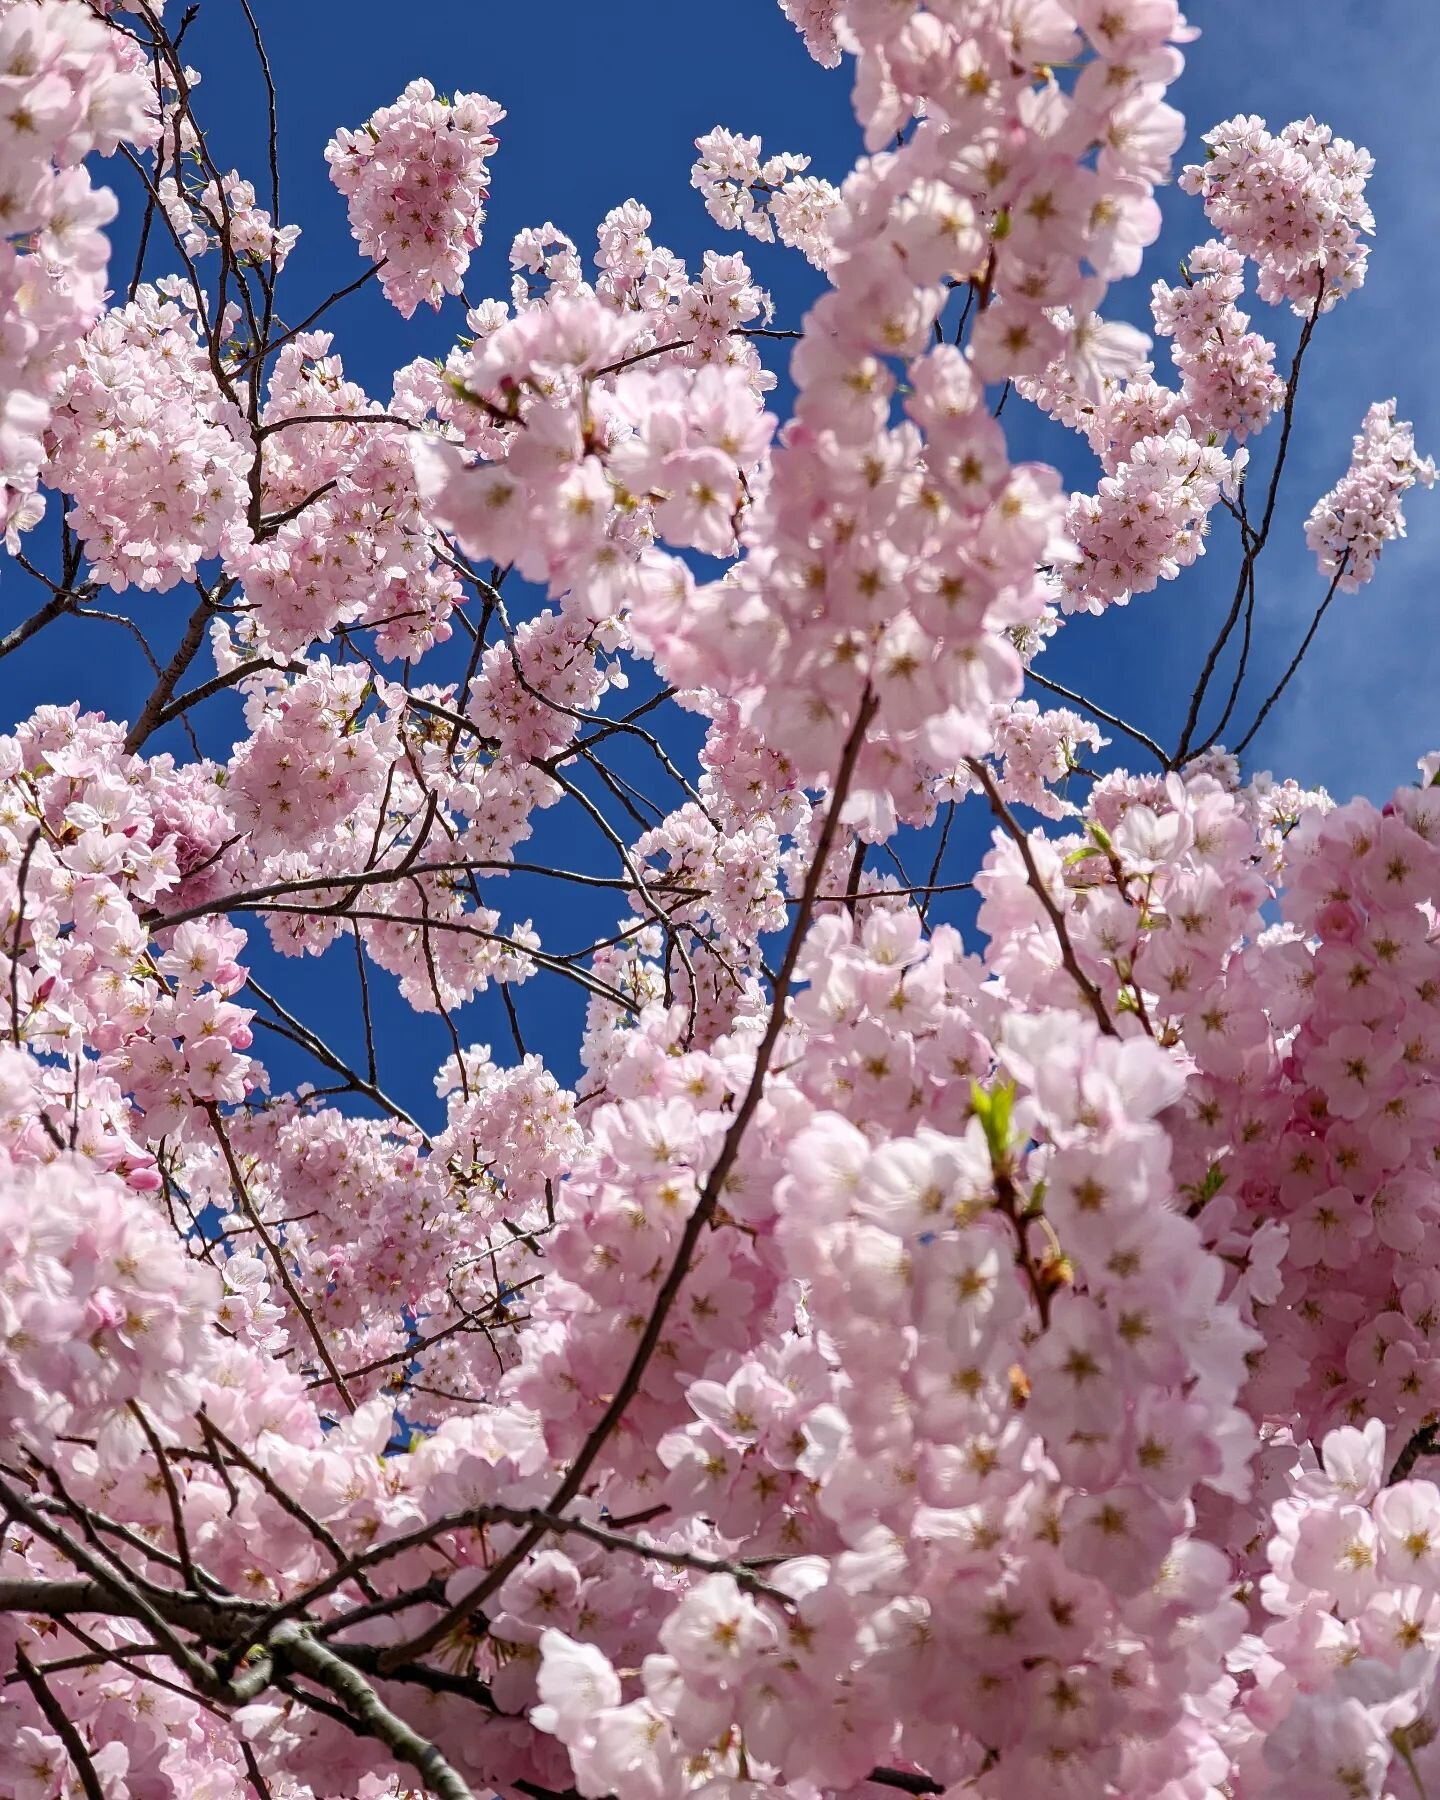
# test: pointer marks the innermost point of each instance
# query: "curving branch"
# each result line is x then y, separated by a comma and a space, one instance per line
54, 1715
1253, 538
699, 1219
282, 1268
1087, 987
294, 1643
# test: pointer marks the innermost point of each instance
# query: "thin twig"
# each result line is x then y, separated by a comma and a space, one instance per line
1057, 918
1099, 712
172, 1495
1254, 538
282, 1268
699, 1219
1298, 657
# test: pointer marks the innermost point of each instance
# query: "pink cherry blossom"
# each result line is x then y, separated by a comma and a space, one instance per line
894, 1250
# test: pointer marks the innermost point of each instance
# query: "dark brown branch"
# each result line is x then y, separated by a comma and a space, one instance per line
217, 684
1253, 539
294, 1643
64, 600
699, 1219
301, 1034
172, 1495
56, 1719
1424, 1442
1099, 712
253, 899
282, 1267
113, 1591
1298, 657
263, 351
1242, 664
1057, 918
185, 653
558, 965
905, 1781
322, 1534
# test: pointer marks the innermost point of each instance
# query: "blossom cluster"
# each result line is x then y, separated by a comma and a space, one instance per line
1337, 1692
1228, 379
69, 86
101, 1306
766, 199
1295, 202
894, 555
416, 178
151, 447
1148, 520
225, 211
986, 1349
1349, 526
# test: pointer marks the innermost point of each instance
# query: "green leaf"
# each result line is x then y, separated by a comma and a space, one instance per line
1200, 1193
994, 1109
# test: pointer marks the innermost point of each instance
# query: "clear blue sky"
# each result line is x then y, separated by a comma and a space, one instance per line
604, 103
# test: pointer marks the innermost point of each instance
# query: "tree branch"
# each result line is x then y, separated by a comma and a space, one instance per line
291, 1641
695, 1225
1057, 918
55, 1718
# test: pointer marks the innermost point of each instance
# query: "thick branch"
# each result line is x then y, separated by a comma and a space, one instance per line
294, 1643
62, 1727
704, 1211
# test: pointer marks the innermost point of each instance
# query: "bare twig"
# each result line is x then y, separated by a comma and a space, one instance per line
282, 1267
1099, 712
172, 1495
61, 1725
1057, 918
704, 1211
1298, 657
1254, 539
185, 653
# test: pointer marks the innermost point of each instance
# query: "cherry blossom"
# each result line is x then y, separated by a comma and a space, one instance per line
840, 1236
1362, 512
415, 176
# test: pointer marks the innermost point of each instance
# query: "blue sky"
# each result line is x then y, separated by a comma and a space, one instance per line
605, 102
1367, 702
